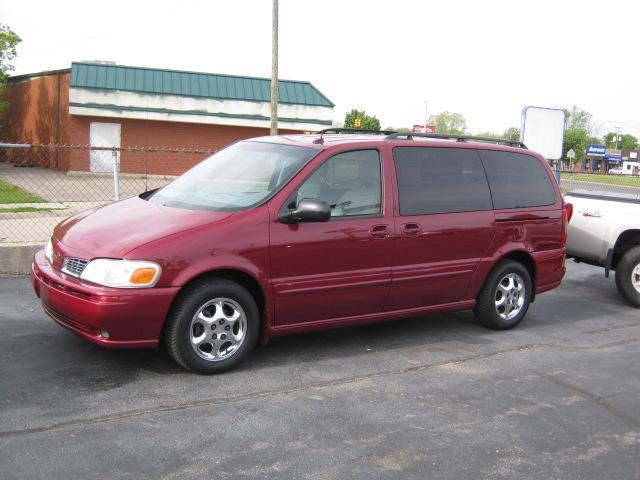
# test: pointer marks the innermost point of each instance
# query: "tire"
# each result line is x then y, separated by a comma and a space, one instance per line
628, 272
505, 296
212, 326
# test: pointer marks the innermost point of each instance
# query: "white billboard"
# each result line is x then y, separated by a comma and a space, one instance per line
543, 131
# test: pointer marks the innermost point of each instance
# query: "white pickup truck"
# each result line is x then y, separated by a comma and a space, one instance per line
604, 230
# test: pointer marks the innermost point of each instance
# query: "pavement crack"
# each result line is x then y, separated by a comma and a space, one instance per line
261, 394
602, 346
601, 401
612, 327
618, 343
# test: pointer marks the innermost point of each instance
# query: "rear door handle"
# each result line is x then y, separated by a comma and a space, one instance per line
379, 231
411, 229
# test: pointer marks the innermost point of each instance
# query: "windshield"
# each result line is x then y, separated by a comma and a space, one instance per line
238, 177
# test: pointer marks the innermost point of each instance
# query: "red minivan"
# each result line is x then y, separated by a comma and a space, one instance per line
287, 234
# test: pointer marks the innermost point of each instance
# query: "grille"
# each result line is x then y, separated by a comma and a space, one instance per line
74, 266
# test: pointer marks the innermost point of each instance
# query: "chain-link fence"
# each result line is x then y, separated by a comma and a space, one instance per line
40, 185
624, 185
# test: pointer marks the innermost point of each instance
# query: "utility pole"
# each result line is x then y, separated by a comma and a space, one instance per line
426, 117
274, 68
617, 129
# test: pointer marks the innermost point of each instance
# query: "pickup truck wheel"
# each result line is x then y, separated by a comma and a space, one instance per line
212, 326
628, 276
505, 296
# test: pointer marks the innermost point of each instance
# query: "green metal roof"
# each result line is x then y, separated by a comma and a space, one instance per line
193, 84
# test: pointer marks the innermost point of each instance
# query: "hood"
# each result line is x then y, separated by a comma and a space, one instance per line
114, 230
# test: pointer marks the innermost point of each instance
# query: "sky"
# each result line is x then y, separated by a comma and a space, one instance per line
485, 59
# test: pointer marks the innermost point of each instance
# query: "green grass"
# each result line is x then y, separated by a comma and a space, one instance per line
624, 180
9, 193
27, 209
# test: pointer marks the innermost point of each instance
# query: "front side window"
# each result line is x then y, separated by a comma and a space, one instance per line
517, 180
236, 178
349, 182
440, 180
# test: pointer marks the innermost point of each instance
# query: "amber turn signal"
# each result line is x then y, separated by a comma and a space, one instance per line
142, 276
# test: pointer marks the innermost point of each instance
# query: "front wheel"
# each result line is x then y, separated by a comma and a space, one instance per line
504, 299
628, 276
212, 326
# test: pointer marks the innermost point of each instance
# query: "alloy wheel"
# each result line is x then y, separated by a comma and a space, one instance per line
218, 329
510, 296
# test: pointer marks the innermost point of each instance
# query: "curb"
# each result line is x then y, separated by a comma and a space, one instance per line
16, 259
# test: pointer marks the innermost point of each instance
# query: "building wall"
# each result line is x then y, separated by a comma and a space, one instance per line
160, 135
185, 109
37, 113
37, 109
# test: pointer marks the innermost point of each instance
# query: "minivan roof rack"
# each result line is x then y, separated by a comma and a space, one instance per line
458, 138
353, 130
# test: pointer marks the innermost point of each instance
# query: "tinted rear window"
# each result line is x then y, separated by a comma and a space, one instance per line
517, 180
440, 180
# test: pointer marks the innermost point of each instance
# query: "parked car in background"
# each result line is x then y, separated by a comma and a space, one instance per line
630, 168
605, 231
616, 171
295, 233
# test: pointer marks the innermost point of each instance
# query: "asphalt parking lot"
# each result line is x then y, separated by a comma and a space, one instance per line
429, 397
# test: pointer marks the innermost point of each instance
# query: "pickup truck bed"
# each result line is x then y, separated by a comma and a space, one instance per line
605, 231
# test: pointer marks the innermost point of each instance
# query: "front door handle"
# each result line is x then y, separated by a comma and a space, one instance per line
379, 231
411, 229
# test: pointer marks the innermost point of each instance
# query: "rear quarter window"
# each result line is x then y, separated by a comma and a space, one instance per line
517, 180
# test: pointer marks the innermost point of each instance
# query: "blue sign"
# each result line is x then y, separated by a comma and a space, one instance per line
613, 158
596, 150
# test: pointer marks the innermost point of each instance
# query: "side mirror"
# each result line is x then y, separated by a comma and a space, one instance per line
308, 210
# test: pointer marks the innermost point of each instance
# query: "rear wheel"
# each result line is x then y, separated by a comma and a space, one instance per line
212, 326
628, 276
504, 299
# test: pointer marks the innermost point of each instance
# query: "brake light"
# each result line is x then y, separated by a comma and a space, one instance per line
569, 209
567, 213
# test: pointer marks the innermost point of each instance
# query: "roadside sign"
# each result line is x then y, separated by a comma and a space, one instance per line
543, 131
424, 129
596, 150
612, 155
571, 154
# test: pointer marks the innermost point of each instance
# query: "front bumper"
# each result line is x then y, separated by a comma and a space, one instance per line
133, 318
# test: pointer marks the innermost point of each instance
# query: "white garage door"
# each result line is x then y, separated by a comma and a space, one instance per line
104, 135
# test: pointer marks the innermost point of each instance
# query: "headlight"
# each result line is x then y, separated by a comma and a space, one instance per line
121, 273
48, 251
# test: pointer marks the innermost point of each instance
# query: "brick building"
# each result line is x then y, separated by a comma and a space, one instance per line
107, 105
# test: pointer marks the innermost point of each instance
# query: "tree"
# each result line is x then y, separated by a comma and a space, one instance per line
449, 122
577, 118
8, 42
579, 131
359, 119
575, 139
512, 133
401, 129
625, 141
487, 135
